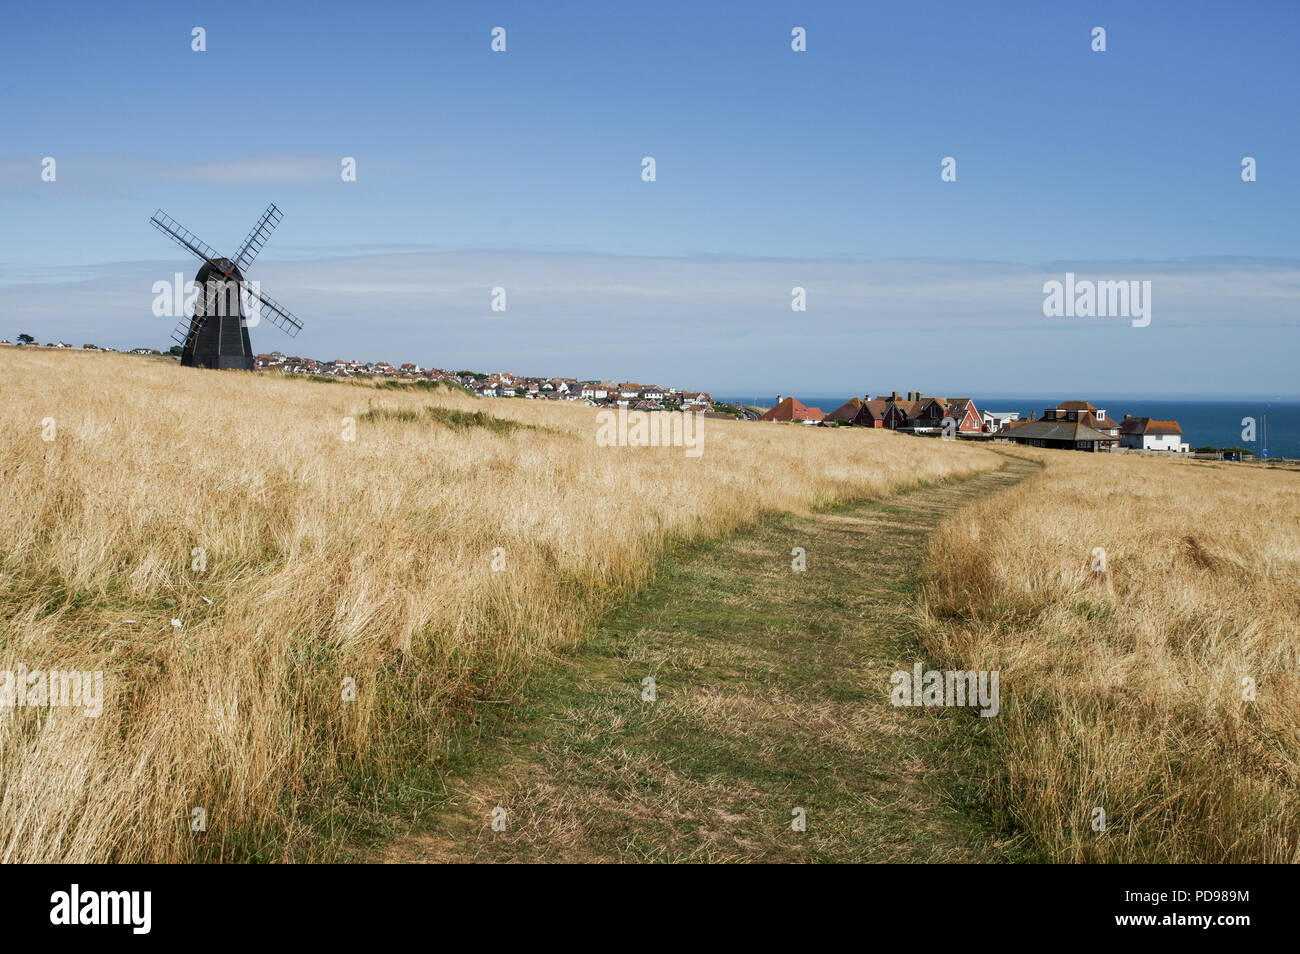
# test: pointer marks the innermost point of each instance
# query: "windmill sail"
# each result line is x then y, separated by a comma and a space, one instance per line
257, 237
270, 309
183, 236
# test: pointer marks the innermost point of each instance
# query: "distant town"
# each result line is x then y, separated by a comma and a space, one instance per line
629, 394
1073, 425
1070, 425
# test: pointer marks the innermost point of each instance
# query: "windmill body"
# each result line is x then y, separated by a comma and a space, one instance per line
216, 336
220, 339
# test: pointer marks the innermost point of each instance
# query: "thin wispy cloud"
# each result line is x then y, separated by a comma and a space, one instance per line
726, 323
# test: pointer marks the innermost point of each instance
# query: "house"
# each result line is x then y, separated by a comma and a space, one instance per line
1144, 433
1063, 434
901, 414
1100, 422
871, 413
845, 412
934, 411
788, 409
1085, 413
995, 420
967, 416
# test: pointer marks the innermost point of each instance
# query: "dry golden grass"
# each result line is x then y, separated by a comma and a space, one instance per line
1125, 691
325, 560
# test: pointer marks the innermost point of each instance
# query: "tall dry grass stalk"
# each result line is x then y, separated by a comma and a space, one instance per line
1124, 691
325, 560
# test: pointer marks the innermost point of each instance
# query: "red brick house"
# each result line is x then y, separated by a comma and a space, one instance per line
871, 413
902, 413
961, 410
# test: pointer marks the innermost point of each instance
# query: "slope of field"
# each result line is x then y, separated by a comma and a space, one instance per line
288, 620
1163, 691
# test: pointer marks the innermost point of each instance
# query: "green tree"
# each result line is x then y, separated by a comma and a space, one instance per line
26, 338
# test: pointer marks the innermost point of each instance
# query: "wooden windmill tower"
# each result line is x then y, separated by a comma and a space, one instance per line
217, 335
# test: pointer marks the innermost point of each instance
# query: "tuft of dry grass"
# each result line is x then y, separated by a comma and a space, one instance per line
323, 560
1124, 690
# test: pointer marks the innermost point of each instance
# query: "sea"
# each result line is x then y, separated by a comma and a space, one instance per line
1204, 423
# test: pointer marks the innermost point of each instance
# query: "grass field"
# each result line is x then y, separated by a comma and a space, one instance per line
1163, 691
348, 621
300, 566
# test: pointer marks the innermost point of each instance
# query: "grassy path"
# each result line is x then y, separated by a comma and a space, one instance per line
772, 694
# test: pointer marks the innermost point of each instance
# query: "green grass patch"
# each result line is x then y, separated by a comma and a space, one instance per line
424, 384
453, 417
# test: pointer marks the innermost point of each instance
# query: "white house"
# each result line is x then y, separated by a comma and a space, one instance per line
993, 420
1144, 433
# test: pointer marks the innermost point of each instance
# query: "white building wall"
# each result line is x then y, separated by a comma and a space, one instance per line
1163, 442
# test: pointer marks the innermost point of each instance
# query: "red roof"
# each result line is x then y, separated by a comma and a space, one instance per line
870, 411
846, 411
792, 410
1100, 423
1146, 425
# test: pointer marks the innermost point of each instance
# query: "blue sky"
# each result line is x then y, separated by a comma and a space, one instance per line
774, 169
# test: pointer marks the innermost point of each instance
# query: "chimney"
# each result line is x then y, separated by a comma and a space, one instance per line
909, 397
778, 399
894, 396
919, 395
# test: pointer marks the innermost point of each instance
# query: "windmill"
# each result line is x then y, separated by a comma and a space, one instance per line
217, 335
